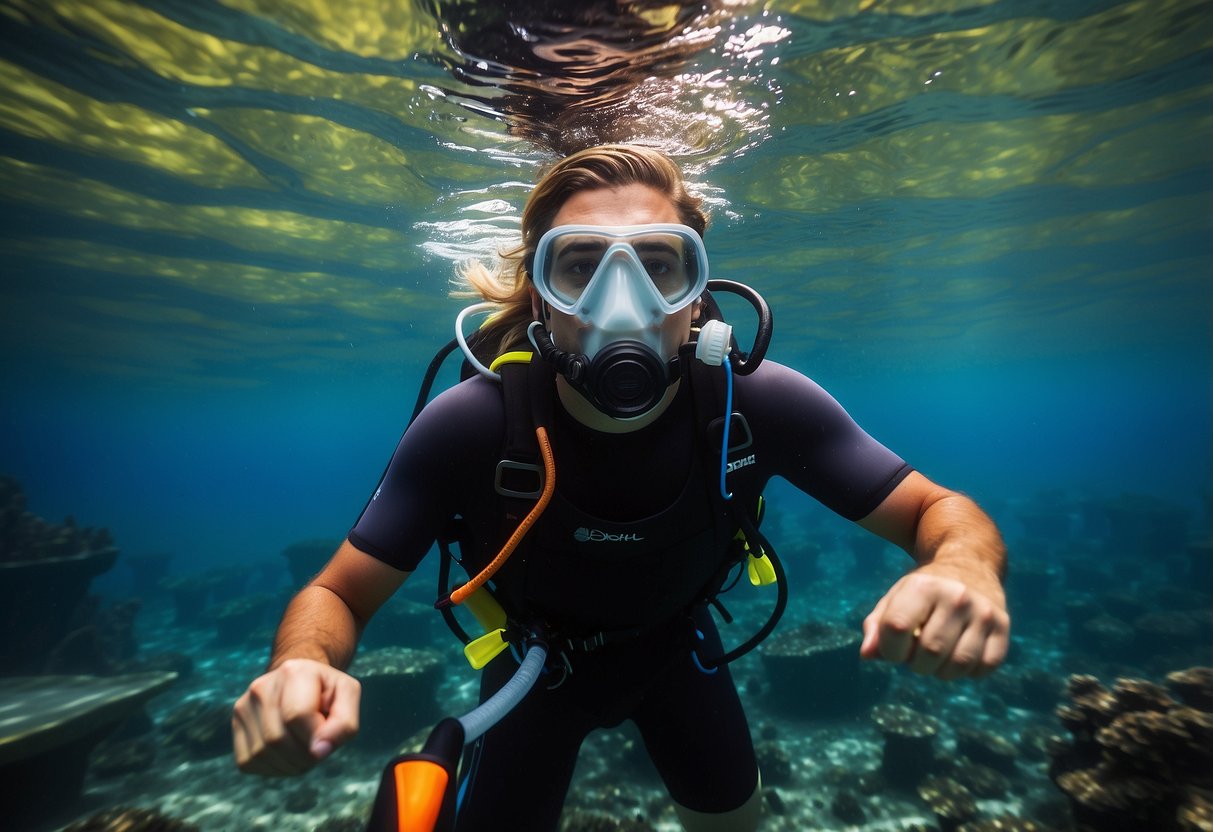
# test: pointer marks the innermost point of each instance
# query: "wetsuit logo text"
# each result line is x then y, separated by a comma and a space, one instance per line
584, 535
740, 463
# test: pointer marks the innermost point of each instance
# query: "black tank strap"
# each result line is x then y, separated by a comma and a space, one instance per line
519, 472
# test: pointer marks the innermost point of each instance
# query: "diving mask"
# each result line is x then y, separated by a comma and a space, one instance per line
591, 271
621, 283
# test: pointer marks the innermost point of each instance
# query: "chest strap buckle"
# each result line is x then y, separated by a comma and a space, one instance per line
520, 480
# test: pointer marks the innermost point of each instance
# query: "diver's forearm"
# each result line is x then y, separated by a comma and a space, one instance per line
954, 535
317, 625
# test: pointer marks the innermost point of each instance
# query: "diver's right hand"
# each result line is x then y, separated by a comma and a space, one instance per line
293, 717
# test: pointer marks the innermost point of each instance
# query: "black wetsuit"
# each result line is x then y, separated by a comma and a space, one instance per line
607, 484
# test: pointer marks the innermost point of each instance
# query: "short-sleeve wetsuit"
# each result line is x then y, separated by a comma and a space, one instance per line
516, 776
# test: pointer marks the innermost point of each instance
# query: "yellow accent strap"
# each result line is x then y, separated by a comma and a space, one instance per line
515, 357
488, 612
760, 570
483, 650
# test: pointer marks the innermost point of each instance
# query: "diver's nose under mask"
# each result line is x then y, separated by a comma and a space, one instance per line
621, 282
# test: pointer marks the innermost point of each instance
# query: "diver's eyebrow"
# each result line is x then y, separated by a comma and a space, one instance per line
577, 246
655, 245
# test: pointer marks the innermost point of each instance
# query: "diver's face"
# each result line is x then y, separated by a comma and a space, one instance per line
626, 205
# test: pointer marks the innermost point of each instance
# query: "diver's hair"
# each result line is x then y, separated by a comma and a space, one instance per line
606, 166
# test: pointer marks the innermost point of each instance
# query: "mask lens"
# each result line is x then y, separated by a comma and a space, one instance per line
571, 263
670, 260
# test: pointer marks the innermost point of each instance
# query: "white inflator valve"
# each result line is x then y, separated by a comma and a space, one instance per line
713, 343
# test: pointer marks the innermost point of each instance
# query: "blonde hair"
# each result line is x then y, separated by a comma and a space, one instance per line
606, 166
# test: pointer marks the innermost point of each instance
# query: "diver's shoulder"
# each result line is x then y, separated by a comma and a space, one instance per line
773, 374
474, 403
777, 386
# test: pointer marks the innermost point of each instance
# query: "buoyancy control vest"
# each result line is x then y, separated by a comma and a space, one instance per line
587, 581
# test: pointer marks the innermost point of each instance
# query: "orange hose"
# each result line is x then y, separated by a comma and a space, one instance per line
549, 488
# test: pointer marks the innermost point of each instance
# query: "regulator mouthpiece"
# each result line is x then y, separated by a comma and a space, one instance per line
623, 380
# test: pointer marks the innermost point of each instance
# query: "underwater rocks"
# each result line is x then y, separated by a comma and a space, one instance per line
115, 759
203, 730
987, 749
190, 595
50, 726
909, 744
847, 808
1157, 629
774, 763
38, 601
306, 558
1029, 688
403, 620
814, 672
194, 594
26, 537
1009, 824
1138, 758
582, 821
951, 802
1030, 587
399, 687
131, 820
246, 619
1140, 523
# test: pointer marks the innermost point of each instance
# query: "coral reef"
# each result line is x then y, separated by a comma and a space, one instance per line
403, 621
814, 672
26, 537
45, 573
1030, 688
581, 821
1141, 523
951, 802
114, 759
987, 749
909, 739
190, 594
1030, 586
982, 781
1194, 687
847, 808
50, 726
1138, 758
774, 763
399, 686
1004, 824
202, 729
244, 619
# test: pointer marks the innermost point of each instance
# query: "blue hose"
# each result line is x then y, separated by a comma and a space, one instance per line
490, 712
728, 420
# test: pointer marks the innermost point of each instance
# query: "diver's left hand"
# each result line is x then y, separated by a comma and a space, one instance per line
940, 622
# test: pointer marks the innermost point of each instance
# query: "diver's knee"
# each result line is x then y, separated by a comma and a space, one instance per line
744, 818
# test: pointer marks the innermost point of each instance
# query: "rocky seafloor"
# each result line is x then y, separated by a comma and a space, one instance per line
1102, 687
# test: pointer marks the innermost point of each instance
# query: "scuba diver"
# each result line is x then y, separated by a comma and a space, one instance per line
596, 488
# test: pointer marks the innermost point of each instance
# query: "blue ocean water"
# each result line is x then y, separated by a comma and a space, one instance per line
230, 231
